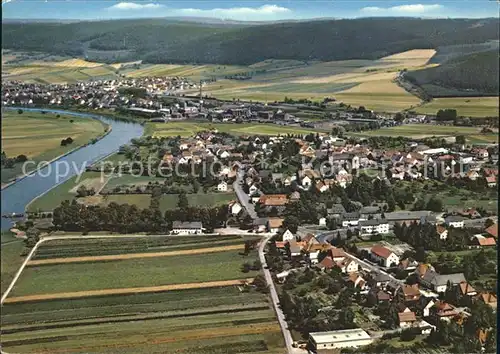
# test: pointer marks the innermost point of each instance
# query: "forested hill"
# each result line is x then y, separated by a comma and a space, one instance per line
468, 75
162, 41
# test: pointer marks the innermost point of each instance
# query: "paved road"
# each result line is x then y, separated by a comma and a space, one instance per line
242, 196
274, 297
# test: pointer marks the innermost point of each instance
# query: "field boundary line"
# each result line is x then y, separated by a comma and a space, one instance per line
133, 255
124, 291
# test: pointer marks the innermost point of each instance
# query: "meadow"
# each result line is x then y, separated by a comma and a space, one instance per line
169, 201
214, 319
38, 136
420, 131
465, 106
186, 129
68, 189
11, 258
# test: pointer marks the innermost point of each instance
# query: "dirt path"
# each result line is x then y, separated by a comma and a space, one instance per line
116, 257
124, 291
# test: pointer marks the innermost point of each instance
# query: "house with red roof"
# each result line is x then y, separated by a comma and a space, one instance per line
492, 231
384, 256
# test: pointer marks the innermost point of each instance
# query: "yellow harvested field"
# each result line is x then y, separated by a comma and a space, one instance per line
76, 63
349, 77
116, 257
422, 54
147, 289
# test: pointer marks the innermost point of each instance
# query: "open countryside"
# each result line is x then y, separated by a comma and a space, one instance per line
282, 185
171, 304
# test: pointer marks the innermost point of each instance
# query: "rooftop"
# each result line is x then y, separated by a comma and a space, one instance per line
346, 335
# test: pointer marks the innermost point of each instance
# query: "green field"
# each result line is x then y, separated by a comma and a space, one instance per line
205, 320
169, 201
419, 131
11, 258
67, 191
38, 136
465, 106
128, 273
186, 129
54, 197
144, 244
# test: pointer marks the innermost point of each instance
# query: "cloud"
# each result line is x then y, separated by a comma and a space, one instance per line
5, 1
236, 12
411, 9
134, 6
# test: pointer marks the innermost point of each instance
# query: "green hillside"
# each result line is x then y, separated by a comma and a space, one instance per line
167, 41
468, 75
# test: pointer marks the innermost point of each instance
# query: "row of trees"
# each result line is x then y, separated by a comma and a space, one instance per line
124, 218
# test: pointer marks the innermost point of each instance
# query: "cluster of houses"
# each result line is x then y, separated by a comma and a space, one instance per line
420, 305
97, 94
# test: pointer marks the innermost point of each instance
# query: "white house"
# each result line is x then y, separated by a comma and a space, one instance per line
427, 308
288, 236
222, 187
306, 182
455, 221
347, 338
384, 255
442, 232
235, 208
322, 222
187, 228
253, 188
373, 226
348, 265
407, 319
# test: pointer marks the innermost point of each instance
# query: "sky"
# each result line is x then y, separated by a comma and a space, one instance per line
249, 10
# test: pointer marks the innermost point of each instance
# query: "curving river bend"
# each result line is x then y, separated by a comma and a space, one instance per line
17, 196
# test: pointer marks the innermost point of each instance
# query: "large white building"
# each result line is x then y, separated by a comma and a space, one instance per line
187, 228
348, 338
373, 226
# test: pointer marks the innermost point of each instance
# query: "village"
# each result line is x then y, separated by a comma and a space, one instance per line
322, 224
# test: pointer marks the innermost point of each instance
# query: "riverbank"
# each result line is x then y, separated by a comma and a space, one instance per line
17, 195
39, 167
23, 176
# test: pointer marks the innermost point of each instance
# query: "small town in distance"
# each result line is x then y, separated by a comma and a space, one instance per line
196, 185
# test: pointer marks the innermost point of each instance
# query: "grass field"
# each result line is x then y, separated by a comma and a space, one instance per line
218, 319
38, 136
67, 191
11, 259
465, 106
419, 131
169, 201
186, 129
54, 197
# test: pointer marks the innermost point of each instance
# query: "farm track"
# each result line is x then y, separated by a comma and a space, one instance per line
123, 291
132, 255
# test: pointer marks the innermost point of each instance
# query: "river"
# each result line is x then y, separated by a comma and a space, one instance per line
16, 197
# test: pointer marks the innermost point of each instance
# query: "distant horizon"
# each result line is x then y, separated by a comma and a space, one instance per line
244, 10
194, 18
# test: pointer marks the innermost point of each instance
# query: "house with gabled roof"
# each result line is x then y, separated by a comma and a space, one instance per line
492, 231
384, 256
407, 319
489, 299
465, 289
